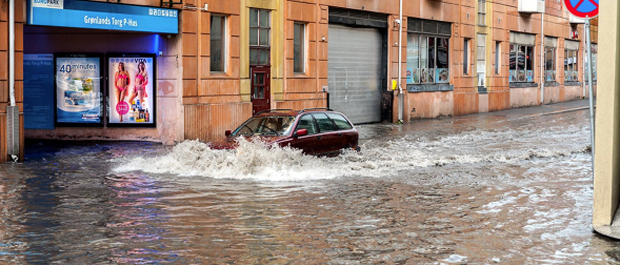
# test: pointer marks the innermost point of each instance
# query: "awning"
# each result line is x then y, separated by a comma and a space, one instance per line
100, 15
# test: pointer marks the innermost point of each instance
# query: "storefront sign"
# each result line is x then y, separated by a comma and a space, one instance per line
38, 91
99, 15
131, 90
48, 3
78, 90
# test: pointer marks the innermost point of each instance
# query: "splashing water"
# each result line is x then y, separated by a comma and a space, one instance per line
256, 160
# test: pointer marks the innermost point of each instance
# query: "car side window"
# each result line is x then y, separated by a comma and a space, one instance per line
325, 124
307, 122
340, 121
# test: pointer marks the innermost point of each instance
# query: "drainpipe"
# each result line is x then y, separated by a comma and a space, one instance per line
12, 117
401, 99
12, 52
542, 59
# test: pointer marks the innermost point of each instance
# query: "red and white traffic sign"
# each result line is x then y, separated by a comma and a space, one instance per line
582, 8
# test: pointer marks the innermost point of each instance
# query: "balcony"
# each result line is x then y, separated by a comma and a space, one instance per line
531, 6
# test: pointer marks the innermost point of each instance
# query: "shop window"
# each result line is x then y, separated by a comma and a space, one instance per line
466, 43
299, 39
427, 59
482, 12
498, 56
218, 43
428, 46
521, 63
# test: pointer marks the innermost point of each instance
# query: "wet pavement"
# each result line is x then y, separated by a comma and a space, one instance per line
509, 187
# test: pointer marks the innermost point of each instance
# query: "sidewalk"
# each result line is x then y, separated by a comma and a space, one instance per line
582, 104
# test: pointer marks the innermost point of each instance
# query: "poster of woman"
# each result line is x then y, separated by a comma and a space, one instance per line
131, 92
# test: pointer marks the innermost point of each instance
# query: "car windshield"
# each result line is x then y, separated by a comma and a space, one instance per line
266, 125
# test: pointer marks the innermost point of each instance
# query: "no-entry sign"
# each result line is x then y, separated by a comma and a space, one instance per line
582, 8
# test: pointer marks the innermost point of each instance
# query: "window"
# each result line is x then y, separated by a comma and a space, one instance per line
521, 57
466, 56
307, 122
480, 55
521, 63
340, 121
550, 56
428, 51
299, 48
571, 59
218, 43
550, 64
325, 124
498, 56
260, 42
482, 12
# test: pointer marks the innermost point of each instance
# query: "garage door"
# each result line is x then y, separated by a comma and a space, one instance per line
354, 76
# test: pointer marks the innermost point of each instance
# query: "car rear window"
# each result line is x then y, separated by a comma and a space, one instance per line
340, 121
307, 122
325, 124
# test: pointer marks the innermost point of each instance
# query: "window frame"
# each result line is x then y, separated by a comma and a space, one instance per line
299, 64
223, 43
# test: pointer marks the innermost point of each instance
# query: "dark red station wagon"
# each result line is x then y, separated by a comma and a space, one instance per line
316, 131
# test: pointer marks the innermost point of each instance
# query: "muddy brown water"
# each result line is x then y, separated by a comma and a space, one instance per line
469, 190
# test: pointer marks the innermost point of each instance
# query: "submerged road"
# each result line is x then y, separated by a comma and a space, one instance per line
511, 187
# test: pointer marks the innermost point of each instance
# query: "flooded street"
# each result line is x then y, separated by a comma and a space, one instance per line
483, 189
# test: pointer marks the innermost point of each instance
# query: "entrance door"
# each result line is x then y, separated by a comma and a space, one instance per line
261, 90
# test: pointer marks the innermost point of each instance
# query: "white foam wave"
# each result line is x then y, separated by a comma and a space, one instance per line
258, 161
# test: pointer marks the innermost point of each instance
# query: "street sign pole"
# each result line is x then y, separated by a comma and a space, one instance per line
589, 69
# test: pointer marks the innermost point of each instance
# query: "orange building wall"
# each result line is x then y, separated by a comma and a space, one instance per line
20, 6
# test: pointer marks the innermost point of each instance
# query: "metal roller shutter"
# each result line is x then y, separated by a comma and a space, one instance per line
354, 77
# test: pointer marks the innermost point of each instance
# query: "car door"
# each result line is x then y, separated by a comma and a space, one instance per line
329, 142
307, 143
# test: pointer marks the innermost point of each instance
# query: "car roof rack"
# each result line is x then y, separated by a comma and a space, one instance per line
272, 110
304, 110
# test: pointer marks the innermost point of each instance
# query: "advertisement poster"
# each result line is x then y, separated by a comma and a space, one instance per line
443, 75
78, 90
409, 75
39, 91
131, 90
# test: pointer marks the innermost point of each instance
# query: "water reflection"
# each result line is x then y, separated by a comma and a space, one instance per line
471, 190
